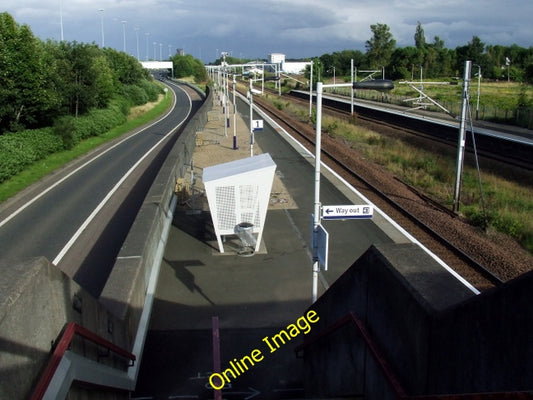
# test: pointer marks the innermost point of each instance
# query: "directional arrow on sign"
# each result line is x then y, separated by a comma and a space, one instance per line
348, 212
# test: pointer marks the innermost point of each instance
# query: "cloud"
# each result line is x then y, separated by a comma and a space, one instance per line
298, 28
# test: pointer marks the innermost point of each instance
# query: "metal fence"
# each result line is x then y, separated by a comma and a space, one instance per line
522, 117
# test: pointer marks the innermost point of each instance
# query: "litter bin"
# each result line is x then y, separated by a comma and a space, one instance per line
244, 231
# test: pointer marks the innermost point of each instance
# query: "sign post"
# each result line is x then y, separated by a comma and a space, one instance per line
316, 213
336, 212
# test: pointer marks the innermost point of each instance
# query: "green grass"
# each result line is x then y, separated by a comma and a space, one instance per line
493, 94
508, 205
498, 101
44, 167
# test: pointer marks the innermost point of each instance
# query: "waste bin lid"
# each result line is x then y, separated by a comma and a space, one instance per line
245, 226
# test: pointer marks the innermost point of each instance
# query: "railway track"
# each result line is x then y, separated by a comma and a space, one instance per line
404, 204
490, 148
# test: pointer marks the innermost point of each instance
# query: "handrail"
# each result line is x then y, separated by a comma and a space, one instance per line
385, 368
391, 378
70, 330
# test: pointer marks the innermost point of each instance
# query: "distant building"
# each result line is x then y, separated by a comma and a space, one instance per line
294, 67
287, 67
277, 58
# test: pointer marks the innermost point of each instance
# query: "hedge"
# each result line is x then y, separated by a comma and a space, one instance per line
20, 149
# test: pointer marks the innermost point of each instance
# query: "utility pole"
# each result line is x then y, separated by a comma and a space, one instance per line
234, 115
461, 141
251, 119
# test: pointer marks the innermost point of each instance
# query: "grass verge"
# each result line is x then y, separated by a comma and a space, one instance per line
507, 206
44, 167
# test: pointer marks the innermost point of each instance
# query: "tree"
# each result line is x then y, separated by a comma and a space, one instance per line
78, 66
126, 69
26, 94
380, 46
473, 51
341, 61
438, 43
43, 81
104, 82
404, 62
187, 65
420, 38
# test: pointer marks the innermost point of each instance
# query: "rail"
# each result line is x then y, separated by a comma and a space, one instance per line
392, 380
72, 329
487, 275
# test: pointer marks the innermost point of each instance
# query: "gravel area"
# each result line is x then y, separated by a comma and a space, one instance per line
498, 253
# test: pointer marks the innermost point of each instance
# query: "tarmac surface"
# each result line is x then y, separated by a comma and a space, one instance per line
252, 297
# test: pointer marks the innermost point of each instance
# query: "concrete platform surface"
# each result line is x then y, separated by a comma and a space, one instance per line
254, 296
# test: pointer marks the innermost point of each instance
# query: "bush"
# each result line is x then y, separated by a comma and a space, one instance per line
152, 90
141, 93
65, 128
20, 149
97, 122
135, 94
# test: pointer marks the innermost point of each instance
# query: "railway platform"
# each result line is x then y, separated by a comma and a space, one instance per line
250, 298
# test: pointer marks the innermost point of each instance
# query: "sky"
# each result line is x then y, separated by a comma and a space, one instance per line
153, 29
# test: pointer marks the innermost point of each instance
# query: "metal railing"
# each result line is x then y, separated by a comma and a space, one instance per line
390, 377
63, 344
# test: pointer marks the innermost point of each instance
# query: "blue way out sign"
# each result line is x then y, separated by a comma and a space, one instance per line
347, 212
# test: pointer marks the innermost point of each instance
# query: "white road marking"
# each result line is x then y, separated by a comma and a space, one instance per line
86, 223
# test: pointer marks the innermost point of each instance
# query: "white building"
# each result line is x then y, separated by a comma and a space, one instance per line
277, 58
294, 67
287, 67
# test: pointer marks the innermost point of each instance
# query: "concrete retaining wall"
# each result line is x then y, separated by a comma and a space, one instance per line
37, 299
125, 290
489, 342
34, 308
436, 335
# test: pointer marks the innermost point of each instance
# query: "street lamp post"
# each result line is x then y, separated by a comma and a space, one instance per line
102, 25
316, 203
234, 116
124, 35
225, 92
137, 39
61, 18
311, 89
508, 63
316, 208
351, 90
478, 90
251, 98
147, 34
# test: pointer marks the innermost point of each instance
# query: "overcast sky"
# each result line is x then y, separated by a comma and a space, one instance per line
255, 28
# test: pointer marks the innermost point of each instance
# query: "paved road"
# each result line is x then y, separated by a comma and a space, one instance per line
79, 216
